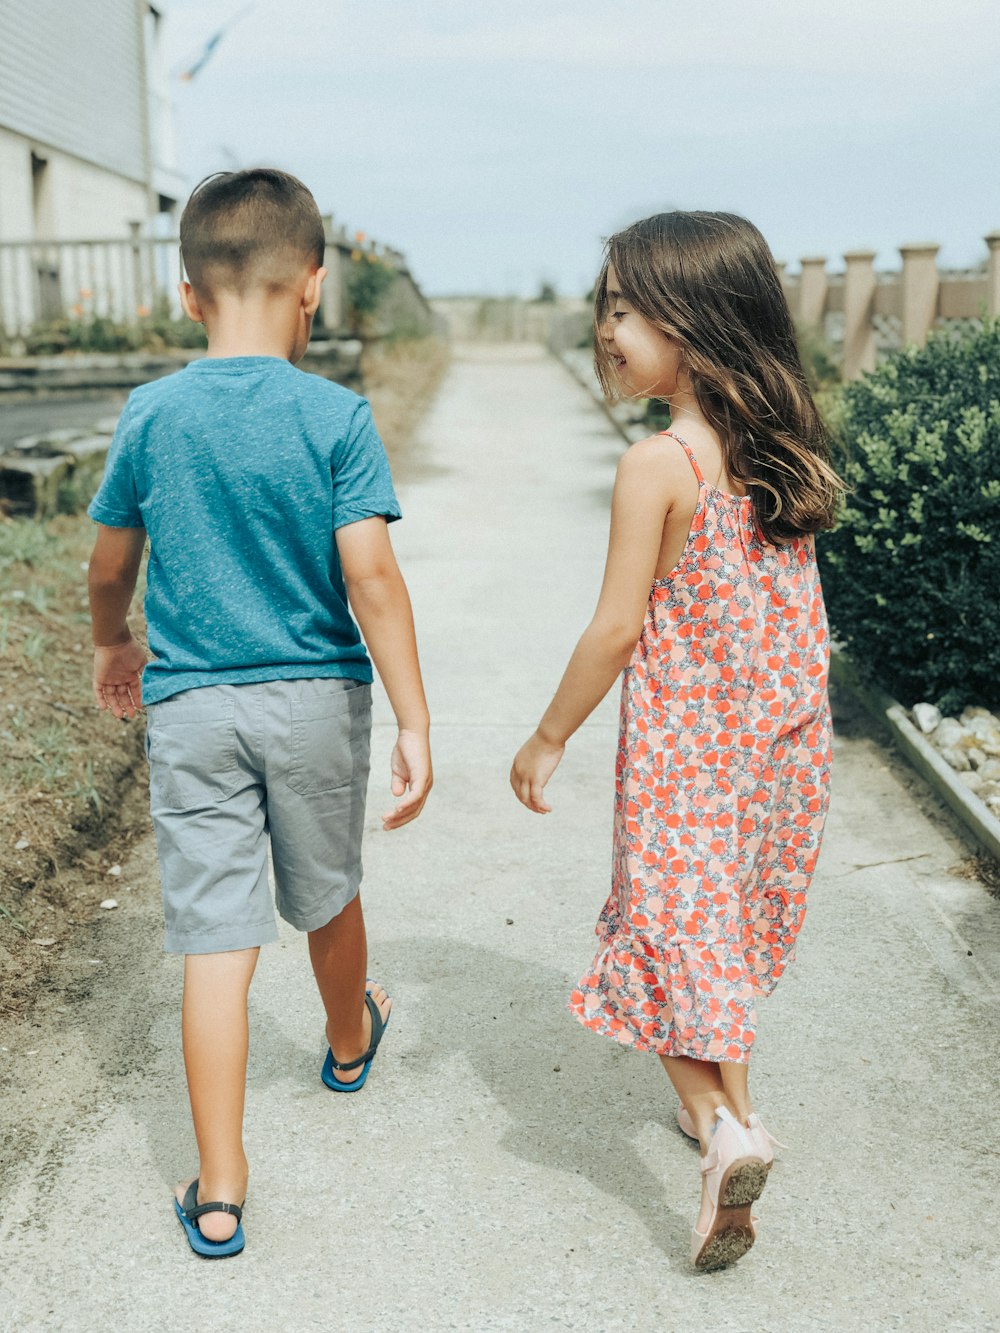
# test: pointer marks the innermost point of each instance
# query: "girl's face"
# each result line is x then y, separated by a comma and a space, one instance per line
647, 361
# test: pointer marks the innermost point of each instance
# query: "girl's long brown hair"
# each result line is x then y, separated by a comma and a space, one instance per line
709, 281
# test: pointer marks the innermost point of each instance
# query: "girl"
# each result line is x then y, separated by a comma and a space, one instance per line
711, 602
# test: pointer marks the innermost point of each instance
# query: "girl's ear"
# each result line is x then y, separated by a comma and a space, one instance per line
190, 303
313, 288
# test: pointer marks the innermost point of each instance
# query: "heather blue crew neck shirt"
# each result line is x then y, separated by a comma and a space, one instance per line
240, 469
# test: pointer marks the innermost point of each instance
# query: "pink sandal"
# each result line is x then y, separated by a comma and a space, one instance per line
763, 1141
735, 1176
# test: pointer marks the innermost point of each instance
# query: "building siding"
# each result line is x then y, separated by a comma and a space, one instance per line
71, 79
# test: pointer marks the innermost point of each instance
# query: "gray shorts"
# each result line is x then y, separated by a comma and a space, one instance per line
234, 767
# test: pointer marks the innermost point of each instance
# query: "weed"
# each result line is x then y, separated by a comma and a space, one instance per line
86, 789
35, 646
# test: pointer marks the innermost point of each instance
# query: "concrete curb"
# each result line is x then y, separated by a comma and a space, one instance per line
580, 366
983, 826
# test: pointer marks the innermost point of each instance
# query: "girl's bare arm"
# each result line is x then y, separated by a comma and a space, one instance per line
643, 495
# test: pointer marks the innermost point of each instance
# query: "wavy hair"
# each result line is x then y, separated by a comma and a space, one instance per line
709, 281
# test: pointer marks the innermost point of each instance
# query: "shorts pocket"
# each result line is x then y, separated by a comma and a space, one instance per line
330, 737
191, 744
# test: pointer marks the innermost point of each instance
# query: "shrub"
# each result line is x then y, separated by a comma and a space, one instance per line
912, 570
369, 282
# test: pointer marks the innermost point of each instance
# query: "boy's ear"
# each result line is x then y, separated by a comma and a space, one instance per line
190, 303
313, 288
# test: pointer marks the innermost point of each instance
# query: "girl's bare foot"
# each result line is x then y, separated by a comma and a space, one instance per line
345, 1054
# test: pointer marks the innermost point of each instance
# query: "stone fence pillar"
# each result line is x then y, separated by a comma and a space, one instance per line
332, 298
993, 274
920, 291
859, 306
812, 292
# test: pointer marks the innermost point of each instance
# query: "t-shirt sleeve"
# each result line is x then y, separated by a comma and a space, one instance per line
362, 483
116, 503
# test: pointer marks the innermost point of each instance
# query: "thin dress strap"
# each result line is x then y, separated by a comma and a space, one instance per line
691, 458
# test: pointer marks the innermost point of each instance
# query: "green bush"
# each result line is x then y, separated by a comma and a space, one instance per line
369, 282
912, 571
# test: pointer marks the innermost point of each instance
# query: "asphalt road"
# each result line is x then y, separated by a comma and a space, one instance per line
35, 416
503, 1168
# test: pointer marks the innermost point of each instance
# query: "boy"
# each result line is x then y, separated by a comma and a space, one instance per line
265, 494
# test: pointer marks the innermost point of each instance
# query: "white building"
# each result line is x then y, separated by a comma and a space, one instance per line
86, 139
86, 142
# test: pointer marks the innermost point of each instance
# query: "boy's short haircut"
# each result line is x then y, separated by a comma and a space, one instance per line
246, 229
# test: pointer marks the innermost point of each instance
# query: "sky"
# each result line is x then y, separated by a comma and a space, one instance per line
498, 143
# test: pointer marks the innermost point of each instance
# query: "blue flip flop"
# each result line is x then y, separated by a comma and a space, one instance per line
189, 1213
330, 1064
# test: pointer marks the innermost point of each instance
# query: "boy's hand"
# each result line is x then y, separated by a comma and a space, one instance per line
534, 764
411, 767
118, 678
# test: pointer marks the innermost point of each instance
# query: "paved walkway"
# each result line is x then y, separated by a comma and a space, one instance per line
505, 1169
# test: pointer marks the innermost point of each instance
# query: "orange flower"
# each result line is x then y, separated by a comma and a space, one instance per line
142, 311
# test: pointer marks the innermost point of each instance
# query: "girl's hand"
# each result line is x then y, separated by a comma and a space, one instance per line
411, 767
534, 764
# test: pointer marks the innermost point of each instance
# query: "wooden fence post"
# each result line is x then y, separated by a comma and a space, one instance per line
812, 292
919, 292
993, 274
859, 303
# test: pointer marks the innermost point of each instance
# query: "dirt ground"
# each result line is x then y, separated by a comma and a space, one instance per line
72, 784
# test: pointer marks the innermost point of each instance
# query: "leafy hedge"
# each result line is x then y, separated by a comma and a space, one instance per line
912, 571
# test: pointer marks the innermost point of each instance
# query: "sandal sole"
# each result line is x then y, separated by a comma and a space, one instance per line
731, 1232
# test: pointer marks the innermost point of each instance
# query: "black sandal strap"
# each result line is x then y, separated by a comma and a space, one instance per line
378, 1027
193, 1209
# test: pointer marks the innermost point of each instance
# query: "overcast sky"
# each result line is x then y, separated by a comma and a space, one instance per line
497, 142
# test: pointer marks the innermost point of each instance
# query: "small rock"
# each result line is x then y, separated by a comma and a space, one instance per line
986, 730
971, 780
993, 805
977, 757
510, 921
956, 758
989, 789
21, 844
44, 943
927, 717
990, 771
972, 711
114, 870
109, 904
949, 732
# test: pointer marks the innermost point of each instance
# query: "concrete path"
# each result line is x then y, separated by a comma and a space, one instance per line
505, 1169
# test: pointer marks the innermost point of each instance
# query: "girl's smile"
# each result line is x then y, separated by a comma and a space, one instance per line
646, 360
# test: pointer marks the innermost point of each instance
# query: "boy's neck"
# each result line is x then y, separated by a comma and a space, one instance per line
252, 325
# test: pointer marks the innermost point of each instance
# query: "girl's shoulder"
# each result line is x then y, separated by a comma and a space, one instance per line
658, 461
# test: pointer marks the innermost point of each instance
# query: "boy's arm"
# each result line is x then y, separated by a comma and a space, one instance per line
381, 604
118, 659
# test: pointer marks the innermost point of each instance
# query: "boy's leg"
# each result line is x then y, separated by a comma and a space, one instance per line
215, 1033
339, 954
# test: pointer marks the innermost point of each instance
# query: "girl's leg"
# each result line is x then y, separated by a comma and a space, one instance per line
699, 1084
339, 954
734, 1080
215, 1033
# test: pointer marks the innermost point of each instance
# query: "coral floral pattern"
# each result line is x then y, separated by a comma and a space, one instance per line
721, 791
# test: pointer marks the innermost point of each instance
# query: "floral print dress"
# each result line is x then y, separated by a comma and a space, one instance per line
721, 790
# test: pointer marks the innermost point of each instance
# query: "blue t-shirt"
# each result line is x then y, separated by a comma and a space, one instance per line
240, 469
